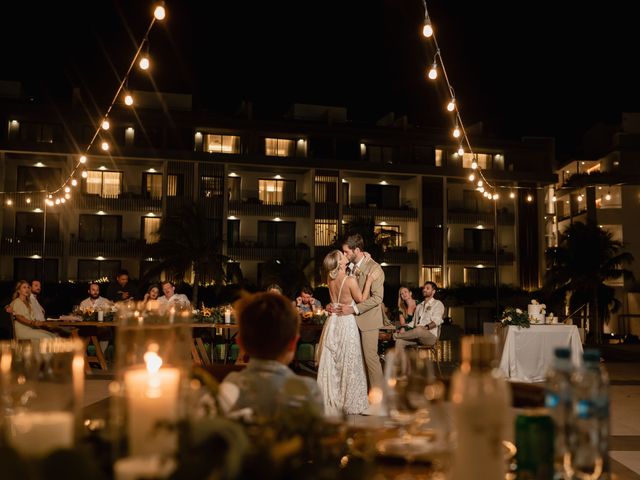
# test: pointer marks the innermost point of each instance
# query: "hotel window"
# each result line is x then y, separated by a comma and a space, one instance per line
150, 229
235, 193
152, 185
279, 147
90, 270
438, 157
478, 240
40, 132
222, 143
387, 235
432, 274
483, 159
326, 232
609, 197
479, 277
100, 228
276, 192
103, 184
383, 196
38, 178
233, 232
32, 268
326, 189
380, 154
210, 187
29, 226
276, 234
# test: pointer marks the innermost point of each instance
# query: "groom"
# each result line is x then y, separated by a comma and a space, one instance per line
368, 313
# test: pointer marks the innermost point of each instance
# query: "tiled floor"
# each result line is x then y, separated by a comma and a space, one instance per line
625, 415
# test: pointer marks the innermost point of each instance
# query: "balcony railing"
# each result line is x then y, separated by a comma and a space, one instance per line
475, 218
403, 213
212, 206
253, 251
400, 256
123, 248
258, 209
26, 248
127, 203
326, 210
461, 257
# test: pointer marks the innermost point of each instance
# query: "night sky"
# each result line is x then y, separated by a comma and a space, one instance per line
522, 68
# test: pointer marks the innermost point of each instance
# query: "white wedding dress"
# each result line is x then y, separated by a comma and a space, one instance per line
341, 374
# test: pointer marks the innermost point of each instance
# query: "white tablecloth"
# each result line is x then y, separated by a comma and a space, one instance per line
528, 352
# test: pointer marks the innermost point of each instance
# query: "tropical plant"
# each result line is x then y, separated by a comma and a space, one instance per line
186, 243
584, 260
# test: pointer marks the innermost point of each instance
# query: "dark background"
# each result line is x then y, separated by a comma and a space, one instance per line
521, 68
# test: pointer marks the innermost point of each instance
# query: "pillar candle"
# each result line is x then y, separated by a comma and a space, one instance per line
227, 315
35, 434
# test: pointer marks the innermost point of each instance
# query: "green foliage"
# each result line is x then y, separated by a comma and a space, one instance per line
515, 316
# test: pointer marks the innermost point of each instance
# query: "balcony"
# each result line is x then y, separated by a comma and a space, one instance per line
380, 214
468, 217
462, 257
125, 202
326, 210
132, 248
18, 247
248, 250
212, 206
256, 208
400, 255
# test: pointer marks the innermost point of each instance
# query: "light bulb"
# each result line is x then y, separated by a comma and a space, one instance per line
529, 198
579, 198
74, 183
512, 195
105, 125
128, 99
9, 202
144, 63
607, 197
83, 159
460, 151
67, 189
553, 199
451, 106
496, 196
472, 177
427, 30
104, 146
67, 196
28, 200
85, 174
481, 189
456, 132
62, 200
433, 71
474, 165
159, 12
480, 183
57, 201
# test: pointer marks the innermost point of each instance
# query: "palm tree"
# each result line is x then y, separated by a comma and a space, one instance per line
188, 242
584, 260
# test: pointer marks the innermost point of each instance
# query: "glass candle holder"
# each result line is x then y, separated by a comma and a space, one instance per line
153, 360
41, 392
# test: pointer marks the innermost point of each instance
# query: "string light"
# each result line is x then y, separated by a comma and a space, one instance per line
456, 132
159, 13
460, 150
144, 63
74, 182
427, 28
472, 177
105, 125
83, 159
433, 71
128, 99
451, 106
105, 146
84, 174
607, 197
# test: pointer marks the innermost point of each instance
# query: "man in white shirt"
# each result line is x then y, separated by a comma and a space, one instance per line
36, 308
170, 297
95, 300
425, 326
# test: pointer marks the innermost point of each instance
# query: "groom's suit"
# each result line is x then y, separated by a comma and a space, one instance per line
369, 318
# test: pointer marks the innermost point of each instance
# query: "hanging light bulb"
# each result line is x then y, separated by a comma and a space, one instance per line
62, 200
50, 202
105, 146
472, 177
460, 150
83, 159
451, 106
529, 198
474, 165
74, 182
67, 189
105, 124
607, 197
580, 197
128, 99
433, 71
480, 183
456, 132
57, 201
144, 63
84, 174
67, 196
159, 12
512, 195
427, 29
496, 196
480, 189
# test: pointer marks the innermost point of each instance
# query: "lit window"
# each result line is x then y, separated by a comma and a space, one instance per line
326, 232
279, 147
438, 157
276, 192
104, 184
222, 143
150, 227
432, 274
468, 159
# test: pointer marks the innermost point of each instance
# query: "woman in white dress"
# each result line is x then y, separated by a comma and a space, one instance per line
25, 325
341, 372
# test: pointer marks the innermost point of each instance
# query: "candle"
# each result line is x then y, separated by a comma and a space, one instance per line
134, 468
100, 316
152, 397
39, 433
227, 315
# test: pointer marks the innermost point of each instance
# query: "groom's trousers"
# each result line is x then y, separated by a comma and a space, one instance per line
372, 360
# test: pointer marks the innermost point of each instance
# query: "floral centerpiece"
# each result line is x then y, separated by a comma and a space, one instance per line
316, 317
209, 314
514, 316
90, 314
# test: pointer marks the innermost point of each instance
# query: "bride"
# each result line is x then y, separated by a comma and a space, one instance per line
341, 373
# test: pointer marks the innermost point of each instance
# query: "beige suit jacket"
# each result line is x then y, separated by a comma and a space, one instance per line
370, 315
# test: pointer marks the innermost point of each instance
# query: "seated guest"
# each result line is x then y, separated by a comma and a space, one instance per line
38, 310
274, 288
425, 325
26, 326
150, 300
121, 289
268, 331
305, 302
407, 307
94, 300
171, 298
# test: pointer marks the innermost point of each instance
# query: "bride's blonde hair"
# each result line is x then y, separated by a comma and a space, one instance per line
331, 263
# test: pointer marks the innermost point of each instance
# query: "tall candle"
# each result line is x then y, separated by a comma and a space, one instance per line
227, 315
36, 434
152, 397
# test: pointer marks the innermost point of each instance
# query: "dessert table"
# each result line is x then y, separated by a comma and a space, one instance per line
528, 354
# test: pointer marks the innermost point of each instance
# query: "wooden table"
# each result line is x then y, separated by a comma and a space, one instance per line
93, 339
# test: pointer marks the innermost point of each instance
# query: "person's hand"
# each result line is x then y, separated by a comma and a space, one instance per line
146, 297
9, 309
373, 274
346, 310
125, 295
330, 308
298, 301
